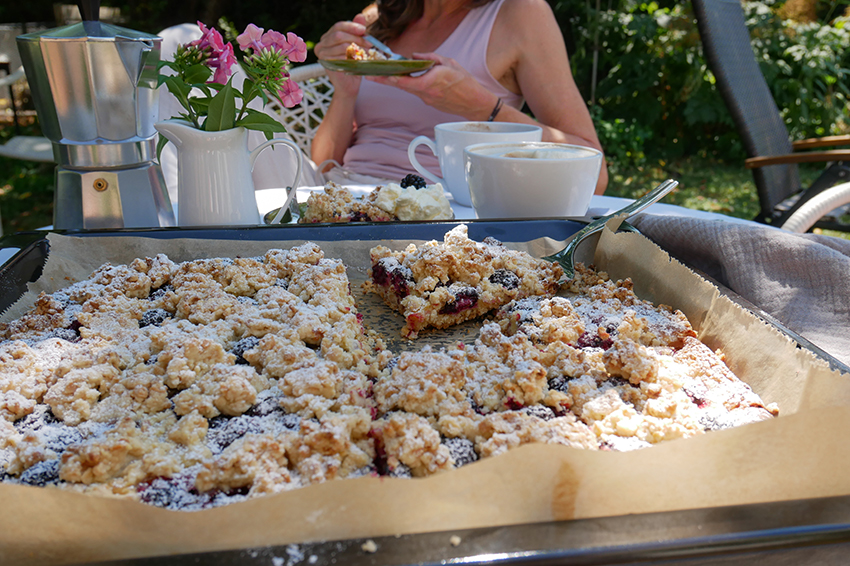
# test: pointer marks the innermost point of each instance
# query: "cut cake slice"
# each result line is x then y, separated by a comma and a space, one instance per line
441, 284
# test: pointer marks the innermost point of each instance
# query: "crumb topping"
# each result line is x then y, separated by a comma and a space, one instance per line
386, 203
197, 384
356, 53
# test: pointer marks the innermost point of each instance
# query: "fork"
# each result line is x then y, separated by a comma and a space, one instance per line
565, 257
393, 56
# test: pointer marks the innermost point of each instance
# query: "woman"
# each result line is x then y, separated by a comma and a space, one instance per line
490, 55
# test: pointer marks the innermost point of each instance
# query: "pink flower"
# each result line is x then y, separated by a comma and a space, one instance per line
210, 37
265, 56
275, 40
220, 56
290, 45
290, 94
251, 38
223, 63
297, 48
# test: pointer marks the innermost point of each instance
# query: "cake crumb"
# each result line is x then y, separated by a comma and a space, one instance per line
455, 540
369, 546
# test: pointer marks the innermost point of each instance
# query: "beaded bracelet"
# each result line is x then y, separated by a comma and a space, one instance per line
495, 110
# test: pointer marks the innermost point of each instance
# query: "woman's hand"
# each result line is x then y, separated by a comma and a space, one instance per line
447, 87
336, 40
333, 44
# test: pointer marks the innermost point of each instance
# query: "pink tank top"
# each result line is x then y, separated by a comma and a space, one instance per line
388, 118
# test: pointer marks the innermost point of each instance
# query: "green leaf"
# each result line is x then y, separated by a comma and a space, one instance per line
170, 64
261, 122
160, 144
222, 111
160, 80
179, 89
200, 105
197, 74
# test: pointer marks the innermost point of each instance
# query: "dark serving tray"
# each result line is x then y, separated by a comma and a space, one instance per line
26, 264
787, 532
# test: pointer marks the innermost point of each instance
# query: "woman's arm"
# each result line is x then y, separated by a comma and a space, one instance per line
334, 133
541, 70
333, 136
527, 55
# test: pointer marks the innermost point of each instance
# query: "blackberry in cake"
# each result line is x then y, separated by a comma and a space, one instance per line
441, 284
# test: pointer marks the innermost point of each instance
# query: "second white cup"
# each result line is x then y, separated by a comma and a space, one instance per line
450, 140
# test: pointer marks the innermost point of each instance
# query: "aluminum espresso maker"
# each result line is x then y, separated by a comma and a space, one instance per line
94, 87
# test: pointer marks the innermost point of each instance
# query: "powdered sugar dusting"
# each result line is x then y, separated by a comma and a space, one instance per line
195, 385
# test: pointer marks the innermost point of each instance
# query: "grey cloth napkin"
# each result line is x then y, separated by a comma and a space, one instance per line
802, 280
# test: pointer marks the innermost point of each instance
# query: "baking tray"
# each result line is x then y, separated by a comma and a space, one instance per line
799, 531
812, 531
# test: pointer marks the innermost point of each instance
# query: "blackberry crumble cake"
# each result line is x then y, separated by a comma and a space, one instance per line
387, 203
441, 284
197, 384
635, 373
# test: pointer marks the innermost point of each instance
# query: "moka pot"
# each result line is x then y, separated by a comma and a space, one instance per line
94, 88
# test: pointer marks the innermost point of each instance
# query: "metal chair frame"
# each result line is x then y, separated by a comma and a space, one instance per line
772, 155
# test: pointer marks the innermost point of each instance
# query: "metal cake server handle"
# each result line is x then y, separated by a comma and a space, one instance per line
393, 56
565, 257
277, 215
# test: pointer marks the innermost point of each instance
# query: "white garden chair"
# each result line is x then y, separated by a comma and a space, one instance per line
302, 121
28, 148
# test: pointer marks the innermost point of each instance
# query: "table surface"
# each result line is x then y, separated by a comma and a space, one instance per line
268, 199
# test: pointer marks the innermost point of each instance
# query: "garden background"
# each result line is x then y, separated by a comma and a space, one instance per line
638, 64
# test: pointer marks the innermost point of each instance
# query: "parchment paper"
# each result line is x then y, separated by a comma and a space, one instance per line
798, 455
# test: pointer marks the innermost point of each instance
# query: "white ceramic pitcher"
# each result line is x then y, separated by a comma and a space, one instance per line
214, 183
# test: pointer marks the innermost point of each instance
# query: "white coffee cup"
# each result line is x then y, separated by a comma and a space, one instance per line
452, 137
531, 179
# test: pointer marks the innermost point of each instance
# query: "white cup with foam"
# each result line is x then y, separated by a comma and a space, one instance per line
531, 179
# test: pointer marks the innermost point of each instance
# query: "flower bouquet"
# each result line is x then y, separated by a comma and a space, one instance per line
202, 79
214, 181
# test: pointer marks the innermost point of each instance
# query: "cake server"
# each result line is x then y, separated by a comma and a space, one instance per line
565, 257
278, 215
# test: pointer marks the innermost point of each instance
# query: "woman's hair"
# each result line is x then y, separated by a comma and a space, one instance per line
395, 15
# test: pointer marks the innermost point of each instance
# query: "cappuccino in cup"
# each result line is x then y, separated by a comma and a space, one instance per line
531, 179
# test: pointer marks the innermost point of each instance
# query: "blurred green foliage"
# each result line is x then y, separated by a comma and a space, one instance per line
640, 64
26, 189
